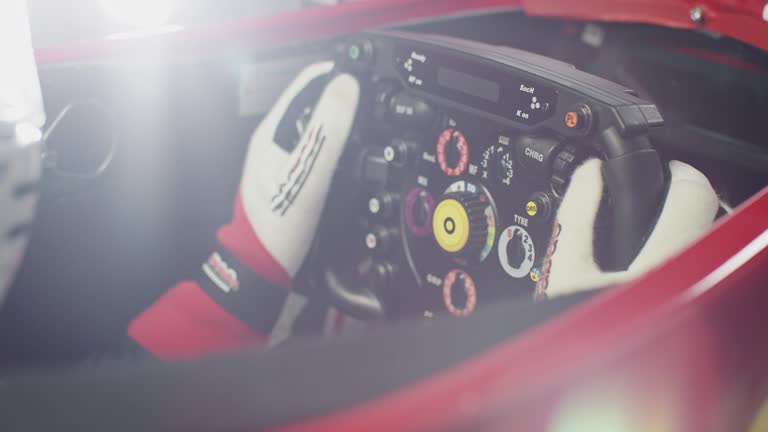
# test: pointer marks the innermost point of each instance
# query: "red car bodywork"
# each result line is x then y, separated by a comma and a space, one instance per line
679, 349
739, 19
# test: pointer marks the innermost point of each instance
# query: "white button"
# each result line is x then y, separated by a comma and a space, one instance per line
370, 241
374, 205
389, 153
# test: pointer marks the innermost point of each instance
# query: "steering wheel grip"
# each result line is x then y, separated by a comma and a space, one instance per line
636, 184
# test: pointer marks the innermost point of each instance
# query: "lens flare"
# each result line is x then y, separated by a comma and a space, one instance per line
614, 406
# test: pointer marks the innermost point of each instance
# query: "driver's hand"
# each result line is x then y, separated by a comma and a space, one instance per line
242, 296
282, 193
688, 211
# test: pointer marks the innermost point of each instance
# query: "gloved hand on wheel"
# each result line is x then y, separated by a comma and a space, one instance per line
282, 193
243, 295
570, 266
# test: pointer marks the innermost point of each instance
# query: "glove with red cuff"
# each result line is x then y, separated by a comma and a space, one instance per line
243, 295
570, 266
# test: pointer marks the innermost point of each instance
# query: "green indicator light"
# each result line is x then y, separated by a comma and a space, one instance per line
354, 52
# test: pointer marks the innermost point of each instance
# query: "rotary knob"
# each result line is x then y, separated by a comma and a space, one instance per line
452, 152
460, 224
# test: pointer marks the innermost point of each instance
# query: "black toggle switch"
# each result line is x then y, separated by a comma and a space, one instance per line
382, 205
399, 152
382, 275
562, 168
409, 109
380, 239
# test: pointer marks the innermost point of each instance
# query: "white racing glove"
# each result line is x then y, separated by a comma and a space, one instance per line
282, 192
688, 211
244, 296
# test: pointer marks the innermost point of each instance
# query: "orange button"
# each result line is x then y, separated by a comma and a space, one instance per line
571, 119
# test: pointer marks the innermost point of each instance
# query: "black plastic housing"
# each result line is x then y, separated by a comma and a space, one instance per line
543, 113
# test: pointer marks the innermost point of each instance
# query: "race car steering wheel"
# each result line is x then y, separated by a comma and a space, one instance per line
461, 153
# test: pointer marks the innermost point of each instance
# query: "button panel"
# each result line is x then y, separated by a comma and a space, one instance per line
466, 158
469, 193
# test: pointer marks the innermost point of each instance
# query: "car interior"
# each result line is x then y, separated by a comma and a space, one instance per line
144, 159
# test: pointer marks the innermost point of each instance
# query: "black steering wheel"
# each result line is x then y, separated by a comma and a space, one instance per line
459, 157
